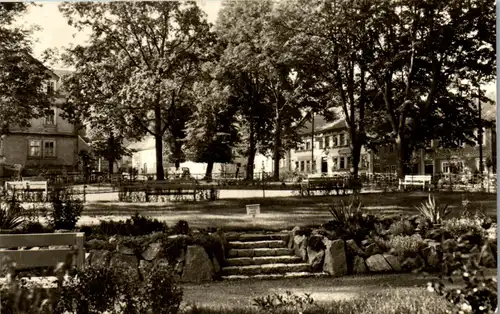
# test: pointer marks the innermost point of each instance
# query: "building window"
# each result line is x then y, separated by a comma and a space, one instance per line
327, 142
342, 163
335, 164
296, 165
308, 145
445, 167
35, 148
335, 141
302, 166
342, 139
49, 149
320, 143
50, 119
308, 166
51, 87
391, 148
393, 167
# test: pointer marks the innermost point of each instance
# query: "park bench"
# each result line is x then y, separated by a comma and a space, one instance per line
43, 253
329, 184
26, 189
177, 189
416, 180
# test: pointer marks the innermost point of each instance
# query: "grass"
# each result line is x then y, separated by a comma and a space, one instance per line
390, 301
277, 213
240, 294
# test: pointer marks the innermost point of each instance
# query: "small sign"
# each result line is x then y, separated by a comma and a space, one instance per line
253, 209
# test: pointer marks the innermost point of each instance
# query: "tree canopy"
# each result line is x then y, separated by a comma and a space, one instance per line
139, 62
23, 93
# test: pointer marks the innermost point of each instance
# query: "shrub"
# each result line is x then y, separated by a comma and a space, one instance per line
479, 295
11, 212
457, 227
134, 226
65, 210
404, 245
96, 290
181, 227
401, 227
432, 212
349, 221
276, 303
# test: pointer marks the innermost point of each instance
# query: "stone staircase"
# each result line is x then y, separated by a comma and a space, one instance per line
263, 256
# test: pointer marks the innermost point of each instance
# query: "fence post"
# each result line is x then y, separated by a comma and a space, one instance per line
80, 256
84, 193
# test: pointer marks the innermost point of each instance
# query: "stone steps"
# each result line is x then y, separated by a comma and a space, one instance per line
275, 276
247, 237
263, 256
261, 260
272, 244
252, 270
256, 252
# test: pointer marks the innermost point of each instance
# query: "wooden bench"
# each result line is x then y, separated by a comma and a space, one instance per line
416, 180
329, 184
42, 257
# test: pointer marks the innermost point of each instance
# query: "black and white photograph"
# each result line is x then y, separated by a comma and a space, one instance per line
248, 156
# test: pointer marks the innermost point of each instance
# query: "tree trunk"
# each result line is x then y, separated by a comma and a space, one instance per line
110, 166
160, 174
356, 156
401, 157
251, 153
208, 173
277, 148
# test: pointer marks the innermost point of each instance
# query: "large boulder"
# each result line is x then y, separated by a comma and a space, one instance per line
372, 249
315, 258
393, 261
358, 265
487, 256
122, 260
335, 262
292, 234
377, 263
353, 248
123, 249
198, 267
152, 251
300, 246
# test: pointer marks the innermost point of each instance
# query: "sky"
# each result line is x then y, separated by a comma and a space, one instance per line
56, 33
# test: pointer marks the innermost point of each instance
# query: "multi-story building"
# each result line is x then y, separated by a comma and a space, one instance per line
329, 153
325, 149
50, 142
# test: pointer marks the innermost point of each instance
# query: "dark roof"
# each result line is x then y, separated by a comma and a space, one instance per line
62, 73
321, 125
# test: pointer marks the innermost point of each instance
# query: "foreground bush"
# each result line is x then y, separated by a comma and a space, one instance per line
96, 290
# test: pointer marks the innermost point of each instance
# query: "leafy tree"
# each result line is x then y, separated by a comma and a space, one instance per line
426, 56
138, 64
22, 77
212, 131
111, 148
266, 85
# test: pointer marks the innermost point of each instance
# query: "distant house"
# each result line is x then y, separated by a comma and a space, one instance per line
50, 143
325, 149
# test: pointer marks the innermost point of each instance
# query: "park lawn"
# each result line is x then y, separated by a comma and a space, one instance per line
276, 213
378, 290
